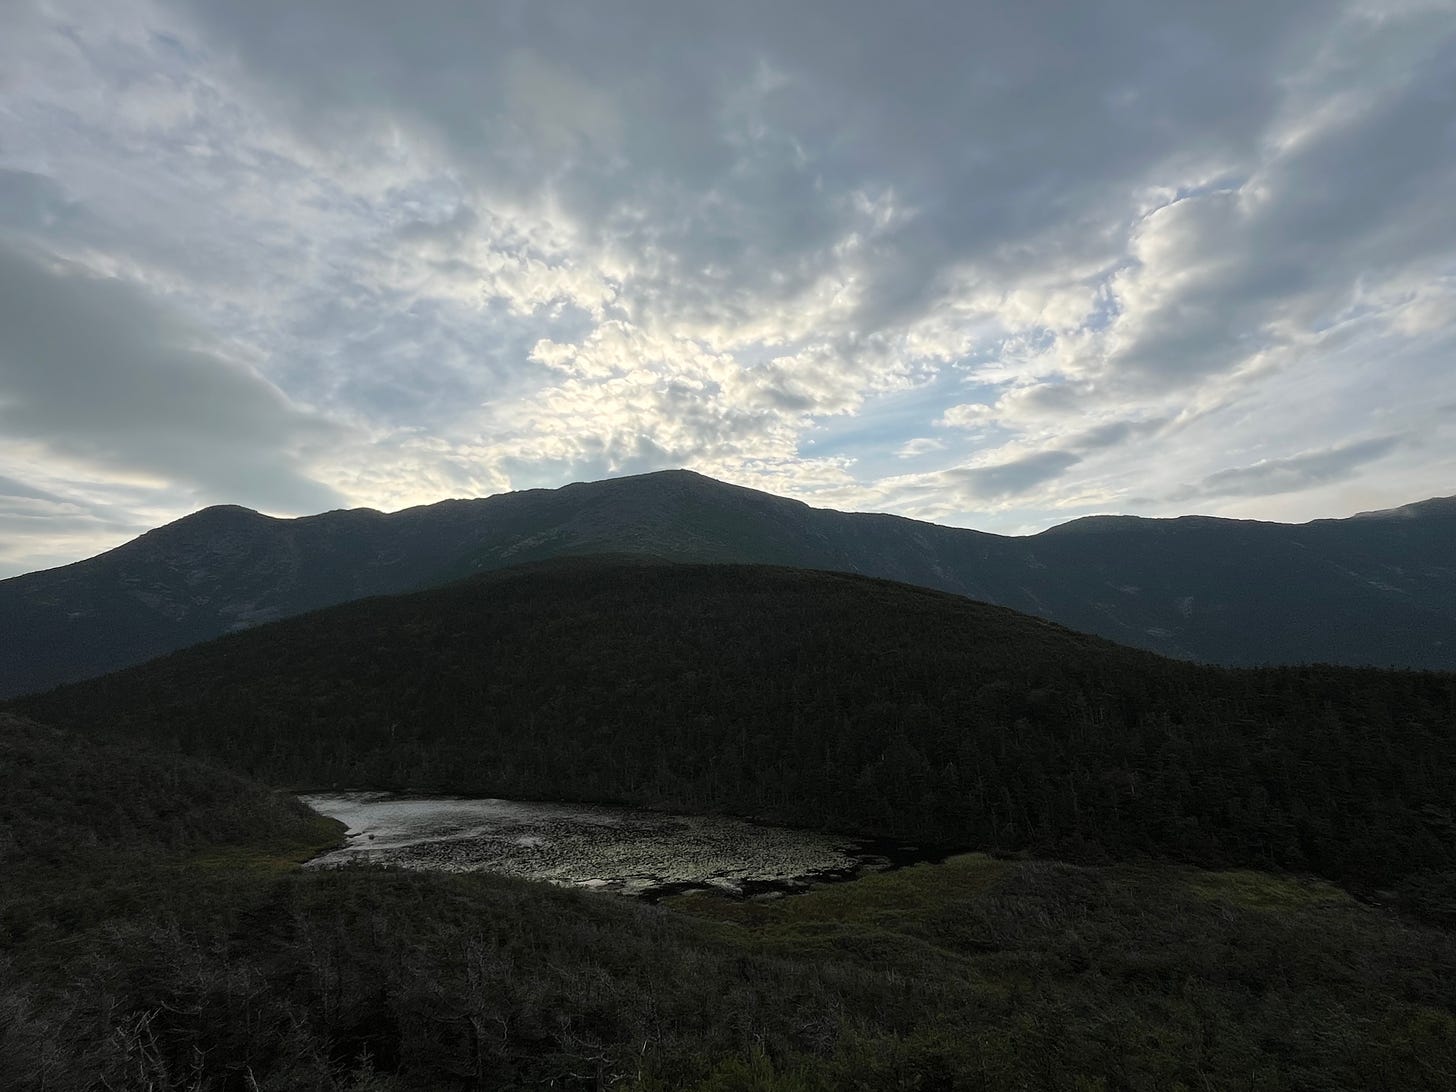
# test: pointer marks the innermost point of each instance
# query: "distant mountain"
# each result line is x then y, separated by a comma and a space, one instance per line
820, 699
1377, 589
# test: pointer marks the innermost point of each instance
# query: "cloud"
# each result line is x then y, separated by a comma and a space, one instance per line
1008, 479
1289, 475
1063, 257
95, 371
1347, 201
918, 446
33, 202
12, 491
736, 155
1116, 433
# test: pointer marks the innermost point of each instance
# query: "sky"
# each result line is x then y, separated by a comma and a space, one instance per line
991, 265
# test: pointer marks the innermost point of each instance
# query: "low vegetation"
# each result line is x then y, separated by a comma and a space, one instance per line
978, 974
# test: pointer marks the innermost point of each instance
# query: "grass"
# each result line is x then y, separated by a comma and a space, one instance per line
317, 835
884, 921
880, 899
1251, 890
977, 974
1060, 975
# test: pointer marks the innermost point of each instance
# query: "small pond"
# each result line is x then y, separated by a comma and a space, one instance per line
630, 852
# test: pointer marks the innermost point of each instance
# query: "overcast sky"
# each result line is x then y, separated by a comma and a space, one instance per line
995, 265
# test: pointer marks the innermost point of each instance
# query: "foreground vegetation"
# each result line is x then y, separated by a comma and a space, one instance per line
978, 974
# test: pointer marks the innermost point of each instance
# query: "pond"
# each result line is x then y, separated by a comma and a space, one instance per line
630, 852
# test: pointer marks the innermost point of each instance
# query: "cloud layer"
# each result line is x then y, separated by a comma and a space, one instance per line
998, 267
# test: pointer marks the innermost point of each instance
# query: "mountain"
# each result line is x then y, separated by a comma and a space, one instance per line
1377, 589
213, 572
817, 699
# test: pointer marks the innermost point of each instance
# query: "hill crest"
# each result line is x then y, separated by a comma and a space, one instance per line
1376, 589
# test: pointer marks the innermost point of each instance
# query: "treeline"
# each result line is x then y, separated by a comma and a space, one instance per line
817, 699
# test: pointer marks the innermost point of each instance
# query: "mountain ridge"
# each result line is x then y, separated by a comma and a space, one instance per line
1375, 589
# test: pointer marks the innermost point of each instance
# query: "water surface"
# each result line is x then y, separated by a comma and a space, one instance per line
624, 850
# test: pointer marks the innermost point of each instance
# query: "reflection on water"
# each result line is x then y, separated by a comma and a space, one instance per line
617, 849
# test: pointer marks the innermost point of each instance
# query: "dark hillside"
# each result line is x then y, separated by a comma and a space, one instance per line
1377, 590
64, 792
216, 571
90, 829
818, 699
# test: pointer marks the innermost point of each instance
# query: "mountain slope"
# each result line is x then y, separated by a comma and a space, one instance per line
1376, 589
820, 699
213, 572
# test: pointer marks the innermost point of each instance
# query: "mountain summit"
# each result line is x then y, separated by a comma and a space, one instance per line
1379, 588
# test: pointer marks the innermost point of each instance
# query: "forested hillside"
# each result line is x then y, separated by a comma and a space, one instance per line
84, 821
821, 700
67, 793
